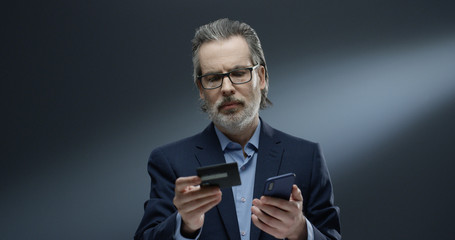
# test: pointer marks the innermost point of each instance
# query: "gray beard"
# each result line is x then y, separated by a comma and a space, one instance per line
233, 122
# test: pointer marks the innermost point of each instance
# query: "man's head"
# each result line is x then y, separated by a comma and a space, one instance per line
223, 29
231, 75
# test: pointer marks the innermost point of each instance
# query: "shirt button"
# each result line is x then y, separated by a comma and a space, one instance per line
243, 233
243, 199
242, 168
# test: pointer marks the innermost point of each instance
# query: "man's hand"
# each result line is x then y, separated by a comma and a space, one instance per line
281, 218
192, 202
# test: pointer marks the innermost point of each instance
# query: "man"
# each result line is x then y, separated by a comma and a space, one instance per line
231, 75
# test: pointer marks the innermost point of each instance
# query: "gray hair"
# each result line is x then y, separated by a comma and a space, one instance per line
223, 29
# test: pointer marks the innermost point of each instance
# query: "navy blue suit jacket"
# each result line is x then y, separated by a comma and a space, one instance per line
278, 153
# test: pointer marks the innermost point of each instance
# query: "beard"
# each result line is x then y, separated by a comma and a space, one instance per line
234, 121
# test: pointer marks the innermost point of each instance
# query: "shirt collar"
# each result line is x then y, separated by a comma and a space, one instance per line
224, 141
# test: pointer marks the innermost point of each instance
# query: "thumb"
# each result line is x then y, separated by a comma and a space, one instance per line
296, 194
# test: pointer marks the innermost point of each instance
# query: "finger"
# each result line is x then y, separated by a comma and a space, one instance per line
281, 204
195, 195
182, 182
198, 192
258, 221
270, 214
273, 201
195, 215
206, 207
189, 206
265, 217
261, 225
296, 194
195, 218
272, 211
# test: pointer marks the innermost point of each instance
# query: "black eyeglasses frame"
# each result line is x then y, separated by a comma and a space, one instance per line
223, 75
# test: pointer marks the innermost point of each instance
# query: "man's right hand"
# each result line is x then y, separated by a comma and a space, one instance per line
192, 202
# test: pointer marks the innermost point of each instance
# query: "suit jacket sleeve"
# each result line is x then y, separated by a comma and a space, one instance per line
159, 220
321, 211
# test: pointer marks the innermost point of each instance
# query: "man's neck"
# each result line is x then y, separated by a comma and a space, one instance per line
243, 136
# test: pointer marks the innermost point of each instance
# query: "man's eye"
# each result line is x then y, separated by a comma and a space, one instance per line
213, 78
239, 73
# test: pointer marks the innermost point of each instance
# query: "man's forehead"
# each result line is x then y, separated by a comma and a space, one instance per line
225, 54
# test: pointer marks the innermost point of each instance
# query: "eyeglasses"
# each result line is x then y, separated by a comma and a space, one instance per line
236, 76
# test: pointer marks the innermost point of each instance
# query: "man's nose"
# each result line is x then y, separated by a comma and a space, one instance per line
227, 88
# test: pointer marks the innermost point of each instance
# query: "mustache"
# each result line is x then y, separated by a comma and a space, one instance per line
229, 99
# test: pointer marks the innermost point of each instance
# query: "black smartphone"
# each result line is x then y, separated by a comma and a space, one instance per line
279, 186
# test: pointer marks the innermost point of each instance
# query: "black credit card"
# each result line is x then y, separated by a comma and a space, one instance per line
222, 175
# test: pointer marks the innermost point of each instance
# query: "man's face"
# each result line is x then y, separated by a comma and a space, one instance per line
232, 107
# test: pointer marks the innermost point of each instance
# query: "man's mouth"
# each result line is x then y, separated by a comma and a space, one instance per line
230, 105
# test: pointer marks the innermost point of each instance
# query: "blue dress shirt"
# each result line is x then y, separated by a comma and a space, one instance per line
243, 194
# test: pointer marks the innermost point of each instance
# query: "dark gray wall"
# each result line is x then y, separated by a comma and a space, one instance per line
89, 88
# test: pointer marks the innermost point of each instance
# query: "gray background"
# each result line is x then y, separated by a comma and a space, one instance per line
89, 88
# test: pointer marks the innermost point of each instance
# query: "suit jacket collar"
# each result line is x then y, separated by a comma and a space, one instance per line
268, 164
208, 152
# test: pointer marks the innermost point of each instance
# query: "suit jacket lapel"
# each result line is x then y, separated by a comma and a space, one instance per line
269, 158
208, 152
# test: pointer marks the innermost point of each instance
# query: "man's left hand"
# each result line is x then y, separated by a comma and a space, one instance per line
281, 218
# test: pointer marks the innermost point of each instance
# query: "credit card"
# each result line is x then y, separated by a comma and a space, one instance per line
222, 175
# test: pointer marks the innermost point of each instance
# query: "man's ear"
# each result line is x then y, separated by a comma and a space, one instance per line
261, 75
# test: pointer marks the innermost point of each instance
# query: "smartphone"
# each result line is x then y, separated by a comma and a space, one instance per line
279, 186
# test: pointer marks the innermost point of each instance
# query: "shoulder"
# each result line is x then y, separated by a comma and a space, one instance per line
184, 144
188, 144
173, 159
286, 138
